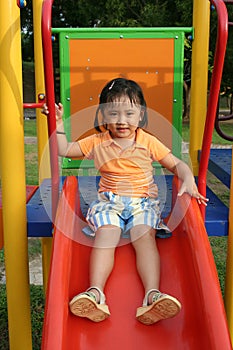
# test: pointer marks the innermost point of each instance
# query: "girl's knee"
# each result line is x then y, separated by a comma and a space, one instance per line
107, 236
142, 233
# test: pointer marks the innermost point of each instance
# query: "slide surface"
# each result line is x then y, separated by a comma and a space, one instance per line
187, 271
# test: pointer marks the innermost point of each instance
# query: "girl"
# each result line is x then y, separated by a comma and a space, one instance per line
127, 198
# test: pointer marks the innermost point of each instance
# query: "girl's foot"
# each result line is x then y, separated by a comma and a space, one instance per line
90, 304
157, 306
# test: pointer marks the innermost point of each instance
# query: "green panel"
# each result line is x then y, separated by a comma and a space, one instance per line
178, 94
136, 32
65, 34
65, 80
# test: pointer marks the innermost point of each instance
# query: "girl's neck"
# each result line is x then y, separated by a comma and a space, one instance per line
125, 142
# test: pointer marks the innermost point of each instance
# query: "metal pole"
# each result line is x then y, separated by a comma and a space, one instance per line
42, 129
229, 265
13, 177
199, 77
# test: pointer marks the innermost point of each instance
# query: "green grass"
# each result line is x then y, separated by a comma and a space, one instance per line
37, 314
219, 249
34, 247
30, 127
216, 139
31, 163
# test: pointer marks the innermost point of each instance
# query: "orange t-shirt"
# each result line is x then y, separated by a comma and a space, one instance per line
126, 172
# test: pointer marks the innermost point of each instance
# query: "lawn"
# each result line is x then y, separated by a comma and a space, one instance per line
227, 128
218, 244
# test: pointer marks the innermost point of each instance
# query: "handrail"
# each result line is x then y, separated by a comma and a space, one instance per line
220, 50
41, 98
33, 105
221, 133
50, 100
222, 118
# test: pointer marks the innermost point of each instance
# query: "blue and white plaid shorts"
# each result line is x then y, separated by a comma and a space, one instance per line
124, 212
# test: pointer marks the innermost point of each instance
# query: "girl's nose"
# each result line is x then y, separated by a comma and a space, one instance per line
121, 119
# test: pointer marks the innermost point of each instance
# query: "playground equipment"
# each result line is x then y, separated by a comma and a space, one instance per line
202, 322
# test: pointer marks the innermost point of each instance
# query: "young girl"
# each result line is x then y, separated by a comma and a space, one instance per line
127, 199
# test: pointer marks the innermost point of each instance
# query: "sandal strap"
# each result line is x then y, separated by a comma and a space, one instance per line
101, 294
156, 296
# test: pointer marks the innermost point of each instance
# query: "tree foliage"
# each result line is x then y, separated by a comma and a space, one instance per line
227, 78
116, 13
122, 13
130, 13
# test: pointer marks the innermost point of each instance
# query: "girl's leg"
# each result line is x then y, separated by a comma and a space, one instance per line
156, 305
91, 304
147, 256
102, 256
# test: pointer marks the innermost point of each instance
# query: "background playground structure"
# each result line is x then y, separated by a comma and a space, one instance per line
16, 248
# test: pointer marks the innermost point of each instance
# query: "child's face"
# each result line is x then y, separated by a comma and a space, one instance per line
122, 118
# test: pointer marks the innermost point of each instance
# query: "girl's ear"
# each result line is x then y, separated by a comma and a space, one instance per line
102, 120
102, 117
142, 112
143, 121
99, 120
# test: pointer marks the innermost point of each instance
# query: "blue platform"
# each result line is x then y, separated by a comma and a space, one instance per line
39, 222
220, 164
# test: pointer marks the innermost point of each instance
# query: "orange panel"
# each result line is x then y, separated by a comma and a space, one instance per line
150, 62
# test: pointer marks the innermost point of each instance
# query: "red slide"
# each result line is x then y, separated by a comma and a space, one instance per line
187, 272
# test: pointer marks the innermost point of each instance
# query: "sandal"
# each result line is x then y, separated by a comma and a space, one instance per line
86, 305
163, 306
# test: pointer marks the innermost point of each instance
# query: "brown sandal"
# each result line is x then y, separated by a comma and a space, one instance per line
85, 305
163, 306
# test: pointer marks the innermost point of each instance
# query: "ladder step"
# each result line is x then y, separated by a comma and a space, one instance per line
220, 164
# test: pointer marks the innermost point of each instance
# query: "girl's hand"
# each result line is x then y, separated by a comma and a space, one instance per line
192, 190
59, 112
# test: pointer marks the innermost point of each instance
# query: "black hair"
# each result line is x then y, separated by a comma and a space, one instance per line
117, 88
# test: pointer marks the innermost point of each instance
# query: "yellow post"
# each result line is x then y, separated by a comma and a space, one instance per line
42, 131
199, 77
13, 177
229, 265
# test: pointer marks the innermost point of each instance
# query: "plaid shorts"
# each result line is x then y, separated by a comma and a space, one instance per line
124, 212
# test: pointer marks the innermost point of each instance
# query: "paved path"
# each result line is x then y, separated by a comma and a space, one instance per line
35, 272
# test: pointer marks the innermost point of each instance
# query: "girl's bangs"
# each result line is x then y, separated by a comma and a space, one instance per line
123, 97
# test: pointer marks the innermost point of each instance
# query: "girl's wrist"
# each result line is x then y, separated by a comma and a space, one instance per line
60, 132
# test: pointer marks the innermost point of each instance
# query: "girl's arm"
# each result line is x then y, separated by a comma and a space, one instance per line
181, 169
65, 148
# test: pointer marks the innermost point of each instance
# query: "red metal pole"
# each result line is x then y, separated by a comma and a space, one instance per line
50, 99
33, 105
41, 98
220, 50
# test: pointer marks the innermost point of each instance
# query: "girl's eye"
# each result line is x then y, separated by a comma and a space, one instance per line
112, 114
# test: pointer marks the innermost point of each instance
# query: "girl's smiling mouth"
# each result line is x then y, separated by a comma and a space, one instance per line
120, 129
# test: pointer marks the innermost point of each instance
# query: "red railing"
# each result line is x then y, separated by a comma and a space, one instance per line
41, 98
50, 100
220, 50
